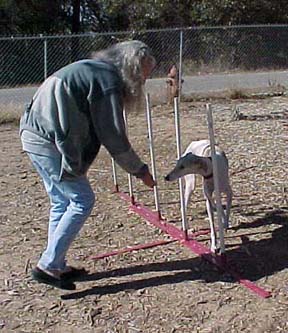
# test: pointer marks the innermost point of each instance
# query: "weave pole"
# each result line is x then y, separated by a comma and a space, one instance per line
215, 178
180, 65
179, 235
130, 183
152, 155
115, 178
181, 184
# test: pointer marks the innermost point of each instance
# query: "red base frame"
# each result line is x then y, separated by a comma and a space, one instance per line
190, 242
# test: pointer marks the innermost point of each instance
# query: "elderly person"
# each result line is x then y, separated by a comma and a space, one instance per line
74, 112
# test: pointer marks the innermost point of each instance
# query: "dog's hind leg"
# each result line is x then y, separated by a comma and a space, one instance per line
229, 195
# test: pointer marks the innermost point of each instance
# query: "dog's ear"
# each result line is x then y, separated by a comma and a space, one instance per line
191, 158
188, 156
184, 160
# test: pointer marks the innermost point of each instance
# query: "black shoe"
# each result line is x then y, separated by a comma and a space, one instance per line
42, 277
73, 273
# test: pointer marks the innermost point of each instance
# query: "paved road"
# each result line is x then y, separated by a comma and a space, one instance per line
220, 82
192, 85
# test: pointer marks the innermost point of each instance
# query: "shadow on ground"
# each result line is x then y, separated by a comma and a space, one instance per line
254, 259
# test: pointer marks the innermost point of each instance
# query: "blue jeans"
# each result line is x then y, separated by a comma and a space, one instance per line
71, 203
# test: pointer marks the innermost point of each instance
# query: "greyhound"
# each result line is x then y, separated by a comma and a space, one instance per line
197, 160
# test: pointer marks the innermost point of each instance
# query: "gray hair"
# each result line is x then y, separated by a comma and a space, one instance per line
129, 58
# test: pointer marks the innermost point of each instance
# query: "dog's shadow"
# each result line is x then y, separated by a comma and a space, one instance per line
254, 259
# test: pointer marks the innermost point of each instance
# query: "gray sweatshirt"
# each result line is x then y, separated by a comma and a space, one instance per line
78, 109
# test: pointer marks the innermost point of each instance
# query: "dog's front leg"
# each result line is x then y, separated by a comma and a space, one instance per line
190, 182
209, 207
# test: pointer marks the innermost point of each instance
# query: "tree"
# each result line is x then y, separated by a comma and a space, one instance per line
34, 16
76, 5
74, 16
232, 12
108, 15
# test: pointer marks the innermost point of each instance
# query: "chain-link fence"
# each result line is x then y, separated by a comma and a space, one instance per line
27, 61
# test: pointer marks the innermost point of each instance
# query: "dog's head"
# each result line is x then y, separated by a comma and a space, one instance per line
187, 164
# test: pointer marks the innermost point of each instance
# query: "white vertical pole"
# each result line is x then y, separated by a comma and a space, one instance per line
181, 185
130, 183
152, 155
115, 180
180, 65
215, 177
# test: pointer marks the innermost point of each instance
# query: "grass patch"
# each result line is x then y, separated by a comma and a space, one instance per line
10, 113
238, 94
235, 94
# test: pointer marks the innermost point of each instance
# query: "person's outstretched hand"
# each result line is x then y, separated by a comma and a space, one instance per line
148, 180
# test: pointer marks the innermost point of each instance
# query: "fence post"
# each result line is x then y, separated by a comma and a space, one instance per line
45, 59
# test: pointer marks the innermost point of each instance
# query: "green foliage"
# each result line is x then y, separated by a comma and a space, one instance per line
33, 16
49, 17
232, 12
138, 14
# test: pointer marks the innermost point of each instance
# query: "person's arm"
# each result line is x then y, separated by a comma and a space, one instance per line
109, 126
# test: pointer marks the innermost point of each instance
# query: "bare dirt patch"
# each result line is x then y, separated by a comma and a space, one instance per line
164, 289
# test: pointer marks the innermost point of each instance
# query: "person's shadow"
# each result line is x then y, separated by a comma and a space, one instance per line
254, 259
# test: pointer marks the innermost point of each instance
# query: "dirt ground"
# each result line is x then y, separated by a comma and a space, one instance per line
167, 288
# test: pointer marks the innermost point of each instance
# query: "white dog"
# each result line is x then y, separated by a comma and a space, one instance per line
197, 160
